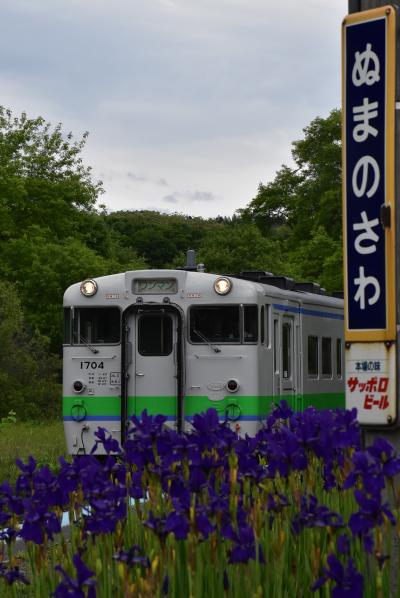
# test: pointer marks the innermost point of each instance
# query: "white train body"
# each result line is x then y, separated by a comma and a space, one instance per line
166, 341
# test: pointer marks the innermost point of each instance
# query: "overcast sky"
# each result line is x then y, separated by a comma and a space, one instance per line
190, 104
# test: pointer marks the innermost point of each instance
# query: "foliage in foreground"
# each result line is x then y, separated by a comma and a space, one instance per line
297, 509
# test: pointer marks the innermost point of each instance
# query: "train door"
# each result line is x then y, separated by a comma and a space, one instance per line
276, 333
153, 364
288, 361
286, 354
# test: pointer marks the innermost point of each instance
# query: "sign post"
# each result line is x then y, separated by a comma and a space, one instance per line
371, 215
368, 95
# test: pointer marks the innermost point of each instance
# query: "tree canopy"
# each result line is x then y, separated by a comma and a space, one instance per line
302, 208
52, 234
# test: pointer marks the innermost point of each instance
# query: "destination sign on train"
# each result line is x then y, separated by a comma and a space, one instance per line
368, 187
155, 286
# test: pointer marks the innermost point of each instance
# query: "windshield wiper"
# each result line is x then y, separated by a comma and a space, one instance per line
86, 343
203, 338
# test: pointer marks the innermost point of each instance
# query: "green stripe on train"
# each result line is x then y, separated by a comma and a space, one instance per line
103, 406
262, 405
249, 405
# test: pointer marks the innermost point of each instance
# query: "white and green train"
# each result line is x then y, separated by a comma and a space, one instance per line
177, 342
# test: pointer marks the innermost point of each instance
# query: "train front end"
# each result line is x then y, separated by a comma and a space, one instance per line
172, 342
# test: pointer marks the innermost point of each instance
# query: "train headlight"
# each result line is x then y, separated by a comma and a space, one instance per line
89, 288
223, 285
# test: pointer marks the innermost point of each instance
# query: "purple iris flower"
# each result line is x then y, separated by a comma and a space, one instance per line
12, 575
76, 587
349, 582
38, 522
110, 444
178, 490
368, 471
248, 459
245, 547
24, 481
157, 524
383, 452
136, 487
178, 523
343, 544
282, 411
46, 488
105, 513
9, 503
132, 454
133, 556
314, 515
206, 423
203, 522
197, 479
370, 515
283, 452
147, 426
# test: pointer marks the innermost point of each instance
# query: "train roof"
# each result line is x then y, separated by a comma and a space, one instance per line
118, 288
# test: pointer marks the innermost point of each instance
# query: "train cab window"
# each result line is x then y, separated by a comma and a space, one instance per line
67, 326
312, 356
339, 357
97, 325
286, 350
326, 357
155, 335
250, 320
214, 323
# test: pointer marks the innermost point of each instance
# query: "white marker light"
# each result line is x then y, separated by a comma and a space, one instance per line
89, 288
223, 286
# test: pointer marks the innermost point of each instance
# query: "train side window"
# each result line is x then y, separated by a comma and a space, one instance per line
155, 335
326, 356
262, 325
312, 356
97, 325
339, 357
286, 350
67, 326
250, 323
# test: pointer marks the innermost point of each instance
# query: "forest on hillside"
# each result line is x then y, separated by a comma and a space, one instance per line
54, 232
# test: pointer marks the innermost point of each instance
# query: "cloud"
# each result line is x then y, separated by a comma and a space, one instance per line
142, 178
172, 198
137, 178
162, 182
176, 94
189, 196
201, 196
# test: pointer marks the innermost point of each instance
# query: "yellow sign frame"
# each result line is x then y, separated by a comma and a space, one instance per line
389, 13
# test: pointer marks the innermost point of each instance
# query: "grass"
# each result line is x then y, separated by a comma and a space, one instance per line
44, 441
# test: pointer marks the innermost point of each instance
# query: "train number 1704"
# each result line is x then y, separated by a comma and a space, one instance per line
92, 365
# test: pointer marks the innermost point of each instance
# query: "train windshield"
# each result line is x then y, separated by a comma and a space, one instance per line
215, 323
97, 325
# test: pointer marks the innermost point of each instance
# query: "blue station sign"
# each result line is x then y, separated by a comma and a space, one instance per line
368, 174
